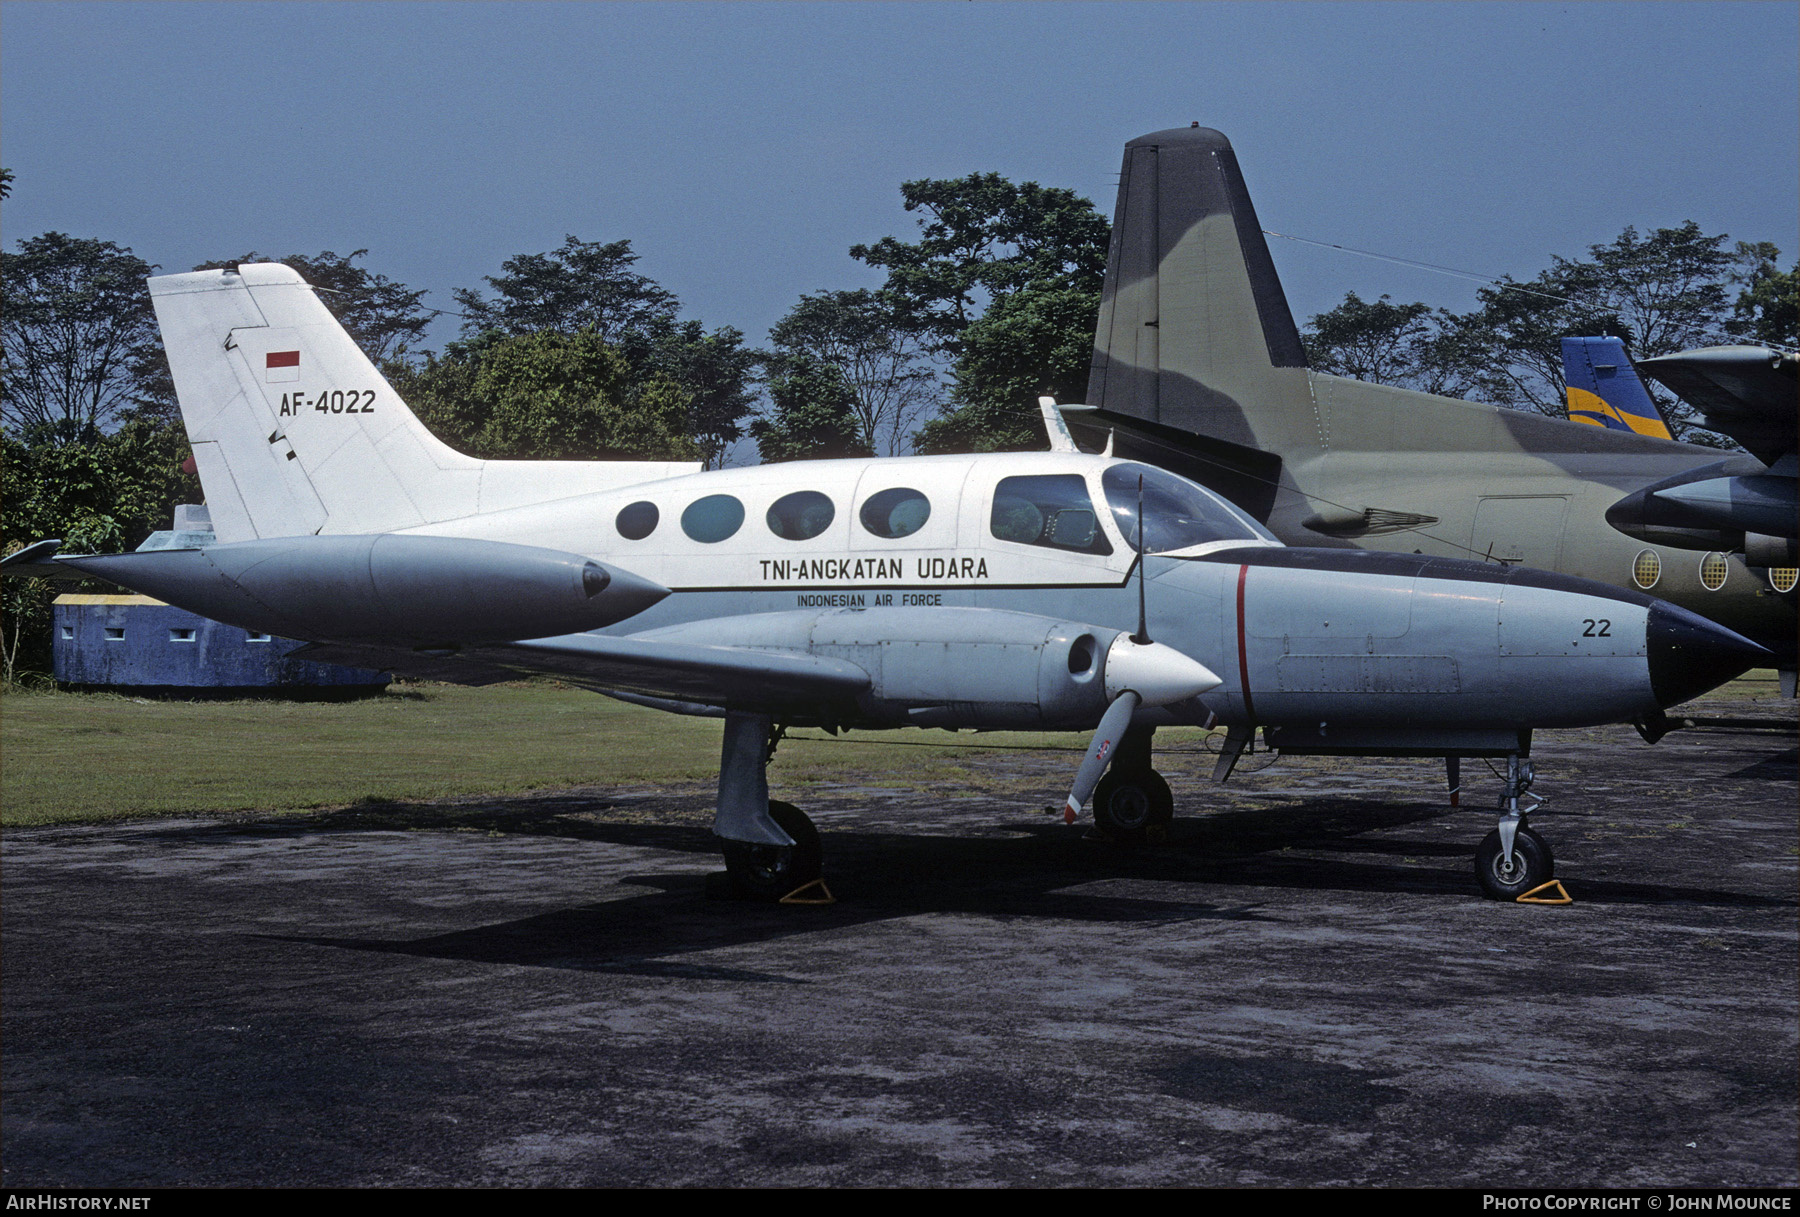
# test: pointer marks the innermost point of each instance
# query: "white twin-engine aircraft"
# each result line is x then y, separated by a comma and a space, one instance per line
1053, 590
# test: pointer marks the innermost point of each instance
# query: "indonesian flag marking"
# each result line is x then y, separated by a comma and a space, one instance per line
281, 366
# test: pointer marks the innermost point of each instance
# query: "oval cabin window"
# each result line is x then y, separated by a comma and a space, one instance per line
801, 516
713, 518
895, 513
638, 521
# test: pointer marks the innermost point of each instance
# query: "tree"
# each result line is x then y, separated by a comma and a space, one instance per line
983, 242
884, 365
100, 492
79, 347
585, 285
589, 287
814, 414
1767, 310
1035, 341
717, 372
982, 237
1661, 292
1393, 344
384, 317
546, 396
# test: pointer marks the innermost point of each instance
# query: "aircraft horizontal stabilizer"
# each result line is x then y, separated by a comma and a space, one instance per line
1746, 392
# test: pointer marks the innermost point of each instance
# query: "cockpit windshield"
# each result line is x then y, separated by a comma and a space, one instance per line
1177, 513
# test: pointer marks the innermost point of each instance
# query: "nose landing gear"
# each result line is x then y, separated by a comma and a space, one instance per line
1513, 861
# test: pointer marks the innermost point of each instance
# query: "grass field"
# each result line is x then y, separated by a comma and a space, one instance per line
87, 757
72, 757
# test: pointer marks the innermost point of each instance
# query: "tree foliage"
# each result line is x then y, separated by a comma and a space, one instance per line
1005, 281
545, 396
1669, 290
100, 492
590, 287
813, 415
1035, 341
716, 371
585, 285
1767, 310
79, 348
981, 238
884, 365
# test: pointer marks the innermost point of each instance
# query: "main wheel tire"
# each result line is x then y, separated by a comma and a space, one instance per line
1126, 806
1532, 864
769, 872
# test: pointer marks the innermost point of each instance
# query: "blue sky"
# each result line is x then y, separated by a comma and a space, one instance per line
743, 148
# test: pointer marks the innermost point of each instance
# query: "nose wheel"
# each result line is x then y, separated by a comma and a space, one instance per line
1506, 877
1514, 860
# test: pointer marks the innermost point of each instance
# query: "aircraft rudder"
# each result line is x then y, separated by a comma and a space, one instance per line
1195, 329
1604, 389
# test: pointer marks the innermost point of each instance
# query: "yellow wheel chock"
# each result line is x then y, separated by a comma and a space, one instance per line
800, 894
1559, 896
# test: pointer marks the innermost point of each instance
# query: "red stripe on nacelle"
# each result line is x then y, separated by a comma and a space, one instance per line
284, 359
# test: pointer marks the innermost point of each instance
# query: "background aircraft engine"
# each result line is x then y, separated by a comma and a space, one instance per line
384, 588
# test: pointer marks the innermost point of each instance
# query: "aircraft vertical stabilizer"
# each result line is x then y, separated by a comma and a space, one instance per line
1604, 389
294, 430
1195, 331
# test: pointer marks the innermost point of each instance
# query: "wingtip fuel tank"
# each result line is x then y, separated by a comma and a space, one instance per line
385, 588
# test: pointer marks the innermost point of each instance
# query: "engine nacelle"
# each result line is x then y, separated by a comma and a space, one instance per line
1761, 549
969, 667
384, 588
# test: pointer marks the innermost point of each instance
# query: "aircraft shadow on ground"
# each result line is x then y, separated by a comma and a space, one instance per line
1040, 871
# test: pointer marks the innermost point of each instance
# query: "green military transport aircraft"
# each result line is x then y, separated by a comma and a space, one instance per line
1198, 366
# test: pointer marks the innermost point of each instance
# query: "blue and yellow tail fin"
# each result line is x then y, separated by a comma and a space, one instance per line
1604, 389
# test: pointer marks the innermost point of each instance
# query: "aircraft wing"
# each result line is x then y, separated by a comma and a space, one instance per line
1747, 392
701, 676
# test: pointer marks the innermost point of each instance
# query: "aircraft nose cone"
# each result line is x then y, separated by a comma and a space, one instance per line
1688, 654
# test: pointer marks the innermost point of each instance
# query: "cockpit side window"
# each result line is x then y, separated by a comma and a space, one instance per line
1177, 513
1052, 510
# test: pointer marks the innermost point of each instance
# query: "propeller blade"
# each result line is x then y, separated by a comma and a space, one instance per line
1100, 752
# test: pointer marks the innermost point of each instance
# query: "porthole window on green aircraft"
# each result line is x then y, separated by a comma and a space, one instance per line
713, 518
800, 516
899, 512
1646, 569
1052, 510
638, 521
1783, 578
1713, 569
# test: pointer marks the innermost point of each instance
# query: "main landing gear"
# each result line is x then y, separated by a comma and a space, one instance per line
772, 850
1513, 861
769, 872
1133, 802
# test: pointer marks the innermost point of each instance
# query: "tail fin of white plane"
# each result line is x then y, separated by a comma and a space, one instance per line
294, 430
